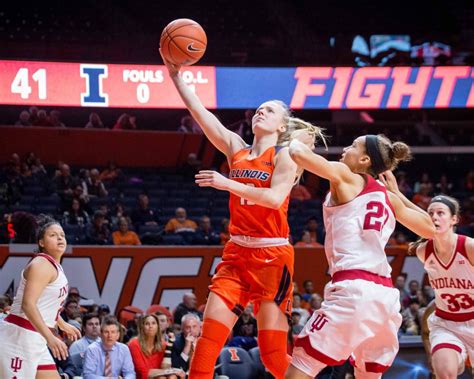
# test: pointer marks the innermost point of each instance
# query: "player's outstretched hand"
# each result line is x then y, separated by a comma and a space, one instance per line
389, 181
208, 178
58, 348
304, 137
72, 332
173, 69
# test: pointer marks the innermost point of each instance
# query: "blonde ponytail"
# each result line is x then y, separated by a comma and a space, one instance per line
295, 124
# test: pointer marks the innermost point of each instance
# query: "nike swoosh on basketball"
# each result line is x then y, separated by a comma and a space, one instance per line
192, 48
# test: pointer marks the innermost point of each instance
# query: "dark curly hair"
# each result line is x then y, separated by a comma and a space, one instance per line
44, 222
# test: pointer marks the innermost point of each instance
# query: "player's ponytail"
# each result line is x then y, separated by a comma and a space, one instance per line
384, 154
413, 246
293, 124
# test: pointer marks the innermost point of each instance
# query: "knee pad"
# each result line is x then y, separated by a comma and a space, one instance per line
208, 346
273, 351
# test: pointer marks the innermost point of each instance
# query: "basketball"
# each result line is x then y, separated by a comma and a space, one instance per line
183, 42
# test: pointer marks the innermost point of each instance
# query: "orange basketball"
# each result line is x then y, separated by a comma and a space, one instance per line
183, 42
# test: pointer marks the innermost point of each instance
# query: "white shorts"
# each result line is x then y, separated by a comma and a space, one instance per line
23, 352
358, 319
456, 335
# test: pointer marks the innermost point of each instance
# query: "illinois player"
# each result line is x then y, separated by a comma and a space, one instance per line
449, 261
27, 332
360, 314
257, 263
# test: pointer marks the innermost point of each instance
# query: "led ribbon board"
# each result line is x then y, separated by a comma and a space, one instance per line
149, 86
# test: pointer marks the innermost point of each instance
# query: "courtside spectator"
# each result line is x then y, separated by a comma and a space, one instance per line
143, 214
103, 310
117, 213
295, 323
124, 236
308, 288
108, 358
55, 119
244, 127
314, 303
124, 122
400, 286
33, 114
98, 233
205, 235
94, 122
95, 186
188, 305
91, 331
111, 173
76, 215
298, 308
5, 304
413, 287
148, 349
24, 119
188, 125
312, 226
64, 184
43, 119
244, 332
185, 344
307, 241
71, 308
444, 186
422, 198
425, 179
180, 223
79, 193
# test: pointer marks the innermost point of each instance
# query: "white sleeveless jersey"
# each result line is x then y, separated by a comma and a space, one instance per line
51, 299
453, 283
357, 231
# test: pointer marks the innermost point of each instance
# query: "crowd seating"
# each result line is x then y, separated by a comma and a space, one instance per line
243, 33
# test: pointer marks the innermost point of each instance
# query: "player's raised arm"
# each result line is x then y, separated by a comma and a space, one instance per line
222, 138
304, 157
407, 213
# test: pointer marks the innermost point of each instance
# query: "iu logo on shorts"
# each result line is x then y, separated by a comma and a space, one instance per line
16, 364
318, 323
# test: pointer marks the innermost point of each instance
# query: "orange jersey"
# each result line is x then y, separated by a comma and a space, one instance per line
250, 219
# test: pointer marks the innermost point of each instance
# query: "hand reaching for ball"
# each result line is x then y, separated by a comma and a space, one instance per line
303, 136
173, 69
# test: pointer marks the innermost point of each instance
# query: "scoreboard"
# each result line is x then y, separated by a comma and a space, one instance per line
149, 86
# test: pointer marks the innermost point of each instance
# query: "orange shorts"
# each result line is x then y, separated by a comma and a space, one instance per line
255, 275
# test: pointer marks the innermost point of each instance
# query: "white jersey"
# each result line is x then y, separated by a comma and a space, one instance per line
357, 231
453, 283
51, 299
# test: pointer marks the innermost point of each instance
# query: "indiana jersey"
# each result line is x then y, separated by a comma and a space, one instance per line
246, 217
51, 299
453, 282
357, 231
